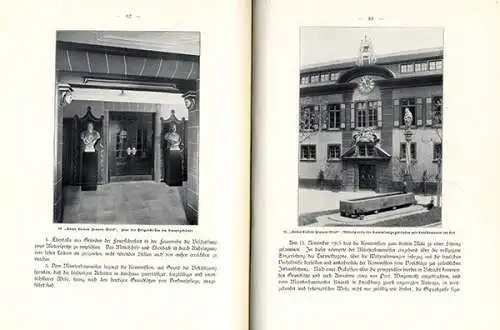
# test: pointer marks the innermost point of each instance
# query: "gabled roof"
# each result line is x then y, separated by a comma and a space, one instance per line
412, 55
379, 154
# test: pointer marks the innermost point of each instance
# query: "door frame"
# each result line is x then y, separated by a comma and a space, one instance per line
374, 166
109, 140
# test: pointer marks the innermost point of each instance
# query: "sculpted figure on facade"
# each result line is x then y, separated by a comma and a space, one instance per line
173, 139
89, 138
365, 135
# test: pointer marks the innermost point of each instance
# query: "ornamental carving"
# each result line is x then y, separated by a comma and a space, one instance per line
365, 135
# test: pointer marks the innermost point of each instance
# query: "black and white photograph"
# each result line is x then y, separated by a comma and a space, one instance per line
370, 126
126, 127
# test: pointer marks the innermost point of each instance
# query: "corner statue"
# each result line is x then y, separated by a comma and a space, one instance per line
89, 138
173, 157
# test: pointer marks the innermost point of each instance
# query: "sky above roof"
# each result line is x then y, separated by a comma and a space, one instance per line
327, 44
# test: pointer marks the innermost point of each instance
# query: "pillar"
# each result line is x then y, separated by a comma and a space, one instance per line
63, 98
157, 146
192, 144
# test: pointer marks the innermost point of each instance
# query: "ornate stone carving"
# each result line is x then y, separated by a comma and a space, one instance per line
89, 138
190, 100
365, 135
366, 53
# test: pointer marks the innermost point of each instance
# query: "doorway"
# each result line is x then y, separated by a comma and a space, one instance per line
367, 177
131, 146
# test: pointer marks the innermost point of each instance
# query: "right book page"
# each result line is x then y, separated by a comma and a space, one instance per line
375, 165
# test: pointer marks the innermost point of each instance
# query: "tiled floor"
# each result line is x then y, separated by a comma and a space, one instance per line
145, 202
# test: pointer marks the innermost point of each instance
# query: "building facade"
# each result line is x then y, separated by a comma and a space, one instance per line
352, 121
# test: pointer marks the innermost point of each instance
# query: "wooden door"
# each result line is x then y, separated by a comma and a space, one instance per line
131, 146
367, 179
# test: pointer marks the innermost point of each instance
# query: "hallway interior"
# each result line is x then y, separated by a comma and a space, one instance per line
139, 202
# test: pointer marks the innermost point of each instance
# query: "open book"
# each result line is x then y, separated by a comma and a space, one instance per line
250, 165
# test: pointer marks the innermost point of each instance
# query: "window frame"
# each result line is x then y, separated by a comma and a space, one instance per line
402, 147
434, 159
413, 106
336, 109
331, 145
368, 116
434, 123
310, 159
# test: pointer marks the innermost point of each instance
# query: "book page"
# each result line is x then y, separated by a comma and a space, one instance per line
126, 172
372, 207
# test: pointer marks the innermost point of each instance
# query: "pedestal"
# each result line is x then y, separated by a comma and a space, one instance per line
89, 171
173, 168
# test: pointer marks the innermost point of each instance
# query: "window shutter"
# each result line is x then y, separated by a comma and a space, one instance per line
324, 118
353, 117
342, 115
418, 112
379, 113
428, 112
396, 112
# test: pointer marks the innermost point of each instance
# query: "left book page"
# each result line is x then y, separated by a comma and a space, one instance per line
126, 175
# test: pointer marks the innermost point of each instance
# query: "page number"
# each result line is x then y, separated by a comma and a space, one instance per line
371, 18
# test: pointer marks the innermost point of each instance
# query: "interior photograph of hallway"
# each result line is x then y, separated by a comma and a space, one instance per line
126, 127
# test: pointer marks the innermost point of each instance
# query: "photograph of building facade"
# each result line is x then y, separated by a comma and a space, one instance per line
127, 127
352, 120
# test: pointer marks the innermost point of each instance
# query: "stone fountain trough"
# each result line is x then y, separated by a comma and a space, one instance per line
375, 204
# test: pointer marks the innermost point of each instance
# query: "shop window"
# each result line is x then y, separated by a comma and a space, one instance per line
308, 152
333, 151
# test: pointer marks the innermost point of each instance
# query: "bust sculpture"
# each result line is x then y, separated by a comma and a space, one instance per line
173, 139
89, 138
408, 117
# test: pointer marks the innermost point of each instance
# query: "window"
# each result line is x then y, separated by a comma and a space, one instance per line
410, 105
304, 80
366, 150
366, 114
333, 151
435, 65
405, 68
413, 151
437, 152
315, 79
325, 77
366, 59
309, 118
308, 152
333, 116
420, 67
437, 114
334, 76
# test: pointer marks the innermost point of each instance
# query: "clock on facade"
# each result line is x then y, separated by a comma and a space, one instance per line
366, 84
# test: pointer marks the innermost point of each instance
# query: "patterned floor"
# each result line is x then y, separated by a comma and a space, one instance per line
147, 203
